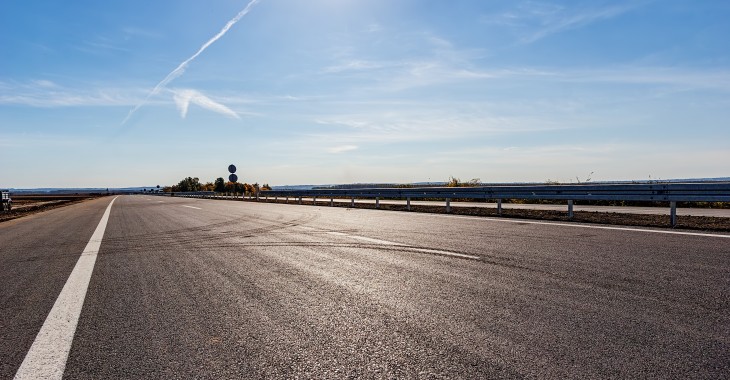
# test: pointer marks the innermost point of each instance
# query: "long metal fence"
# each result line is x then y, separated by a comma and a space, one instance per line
642, 192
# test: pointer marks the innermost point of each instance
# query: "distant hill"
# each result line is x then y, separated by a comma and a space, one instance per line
436, 184
73, 190
81, 190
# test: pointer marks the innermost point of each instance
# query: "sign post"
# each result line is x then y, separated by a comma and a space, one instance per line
233, 177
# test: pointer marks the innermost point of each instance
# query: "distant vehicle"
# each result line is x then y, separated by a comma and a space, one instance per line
5, 202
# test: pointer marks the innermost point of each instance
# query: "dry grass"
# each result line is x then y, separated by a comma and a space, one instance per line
28, 205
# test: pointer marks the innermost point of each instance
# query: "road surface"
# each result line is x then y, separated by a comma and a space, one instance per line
181, 288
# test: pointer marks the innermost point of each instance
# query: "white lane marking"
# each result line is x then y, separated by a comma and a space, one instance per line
47, 357
160, 201
522, 221
424, 250
197, 208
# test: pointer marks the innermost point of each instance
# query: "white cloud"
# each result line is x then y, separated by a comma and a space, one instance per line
536, 20
180, 69
342, 148
131, 31
44, 93
354, 65
440, 42
565, 20
101, 44
43, 83
183, 98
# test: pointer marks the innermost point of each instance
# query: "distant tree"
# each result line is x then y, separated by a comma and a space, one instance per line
455, 182
220, 185
474, 182
234, 187
188, 184
266, 187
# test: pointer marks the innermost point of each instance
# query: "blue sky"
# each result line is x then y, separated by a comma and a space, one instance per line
342, 91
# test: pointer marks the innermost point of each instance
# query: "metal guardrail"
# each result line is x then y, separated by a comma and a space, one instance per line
665, 192
193, 194
672, 192
659, 192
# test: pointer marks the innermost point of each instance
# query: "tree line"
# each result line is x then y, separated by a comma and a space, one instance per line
220, 185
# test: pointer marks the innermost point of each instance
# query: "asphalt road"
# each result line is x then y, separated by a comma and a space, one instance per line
186, 288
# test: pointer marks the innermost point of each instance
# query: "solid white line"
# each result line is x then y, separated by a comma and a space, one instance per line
522, 221
197, 208
47, 357
424, 250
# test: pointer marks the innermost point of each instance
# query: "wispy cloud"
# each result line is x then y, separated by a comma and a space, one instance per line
131, 31
180, 69
47, 94
391, 78
342, 148
43, 83
441, 62
432, 122
537, 20
354, 65
101, 44
183, 98
566, 20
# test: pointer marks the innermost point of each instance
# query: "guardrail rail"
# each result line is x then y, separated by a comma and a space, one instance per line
652, 192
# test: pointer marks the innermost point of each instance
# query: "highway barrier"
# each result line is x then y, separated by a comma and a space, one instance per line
651, 192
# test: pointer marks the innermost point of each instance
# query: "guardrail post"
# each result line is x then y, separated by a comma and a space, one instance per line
377, 202
314, 201
448, 205
332, 202
408, 203
352, 202
570, 209
300, 200
287, 199
499, 207
673, 213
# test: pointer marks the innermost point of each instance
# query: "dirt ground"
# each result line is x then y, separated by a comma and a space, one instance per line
28, 205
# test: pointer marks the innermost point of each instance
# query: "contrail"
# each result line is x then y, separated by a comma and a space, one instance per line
181, 68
